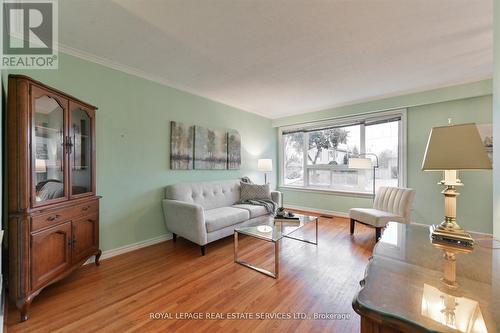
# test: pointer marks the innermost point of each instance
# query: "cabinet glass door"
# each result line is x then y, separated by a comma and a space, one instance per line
48, 150
81, 151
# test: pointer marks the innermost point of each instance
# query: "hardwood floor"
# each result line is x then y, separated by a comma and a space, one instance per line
121, 294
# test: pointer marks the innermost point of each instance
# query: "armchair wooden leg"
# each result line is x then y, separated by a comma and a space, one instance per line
174, 237
378, 233
352, 225
202, 247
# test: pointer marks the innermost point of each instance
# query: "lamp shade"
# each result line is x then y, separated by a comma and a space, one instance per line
360, 163
455, 147
265, 165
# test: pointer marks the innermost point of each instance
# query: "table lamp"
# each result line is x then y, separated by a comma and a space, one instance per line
449, 149
265, 165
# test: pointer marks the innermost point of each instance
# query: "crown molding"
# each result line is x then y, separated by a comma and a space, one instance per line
87, 56
402, 93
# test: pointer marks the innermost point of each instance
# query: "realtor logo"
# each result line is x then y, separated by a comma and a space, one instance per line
29, 34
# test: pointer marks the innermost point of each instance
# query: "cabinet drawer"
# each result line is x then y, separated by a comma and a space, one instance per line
64, 214
46, 220
86, 208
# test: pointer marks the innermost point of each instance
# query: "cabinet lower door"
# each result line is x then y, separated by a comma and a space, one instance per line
50, 253
85, 237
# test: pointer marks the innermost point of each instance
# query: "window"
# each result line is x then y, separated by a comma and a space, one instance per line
317, 156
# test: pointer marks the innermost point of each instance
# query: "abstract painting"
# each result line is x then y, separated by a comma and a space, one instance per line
201, 148
181, 146
210, 149
233, 150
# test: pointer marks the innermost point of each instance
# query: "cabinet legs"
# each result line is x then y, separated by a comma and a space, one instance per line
24, 314
24, 309
97, 257
24, 304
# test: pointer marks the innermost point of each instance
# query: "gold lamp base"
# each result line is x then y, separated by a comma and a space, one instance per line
449, 231
450, 250
453, 235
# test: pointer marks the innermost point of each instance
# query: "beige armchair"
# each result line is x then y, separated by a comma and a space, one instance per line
390, 204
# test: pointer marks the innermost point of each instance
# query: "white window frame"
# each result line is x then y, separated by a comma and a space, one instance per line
339, 121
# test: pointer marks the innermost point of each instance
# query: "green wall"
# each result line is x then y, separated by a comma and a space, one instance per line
132, 133
496, 118
425, 110
474, 208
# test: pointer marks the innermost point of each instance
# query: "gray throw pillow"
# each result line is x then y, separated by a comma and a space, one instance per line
253, 191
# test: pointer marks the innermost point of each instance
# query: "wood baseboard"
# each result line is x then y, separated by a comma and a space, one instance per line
131, 247
316, 212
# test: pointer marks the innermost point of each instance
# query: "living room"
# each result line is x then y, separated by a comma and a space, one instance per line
251, 166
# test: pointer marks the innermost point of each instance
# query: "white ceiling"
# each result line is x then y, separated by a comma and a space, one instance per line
282, 57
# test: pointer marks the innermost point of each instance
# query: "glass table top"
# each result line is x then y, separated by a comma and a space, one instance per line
271, 229
404, 282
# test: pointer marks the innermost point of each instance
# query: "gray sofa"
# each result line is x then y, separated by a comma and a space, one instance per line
206, 211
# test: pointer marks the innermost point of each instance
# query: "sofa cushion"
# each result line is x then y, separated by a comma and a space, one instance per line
374, 217
254, 210
219, 218
253, 191
209, 195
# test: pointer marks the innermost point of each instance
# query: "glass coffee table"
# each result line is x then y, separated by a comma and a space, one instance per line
272, 230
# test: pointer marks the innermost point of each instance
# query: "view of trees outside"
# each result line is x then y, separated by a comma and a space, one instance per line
328, 153
293, 154
332, 146
321, 142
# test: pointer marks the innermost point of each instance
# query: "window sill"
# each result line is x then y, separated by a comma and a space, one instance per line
327, 191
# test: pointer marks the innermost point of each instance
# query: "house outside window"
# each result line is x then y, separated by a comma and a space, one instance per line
316, 156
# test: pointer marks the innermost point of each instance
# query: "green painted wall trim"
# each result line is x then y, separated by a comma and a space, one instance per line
133, 128
462, 91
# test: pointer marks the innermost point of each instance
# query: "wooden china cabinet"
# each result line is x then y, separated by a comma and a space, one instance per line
53, 209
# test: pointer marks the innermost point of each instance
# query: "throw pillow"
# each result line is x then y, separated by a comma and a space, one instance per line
254, 191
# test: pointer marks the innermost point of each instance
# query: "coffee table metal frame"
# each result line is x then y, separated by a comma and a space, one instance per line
274, 274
